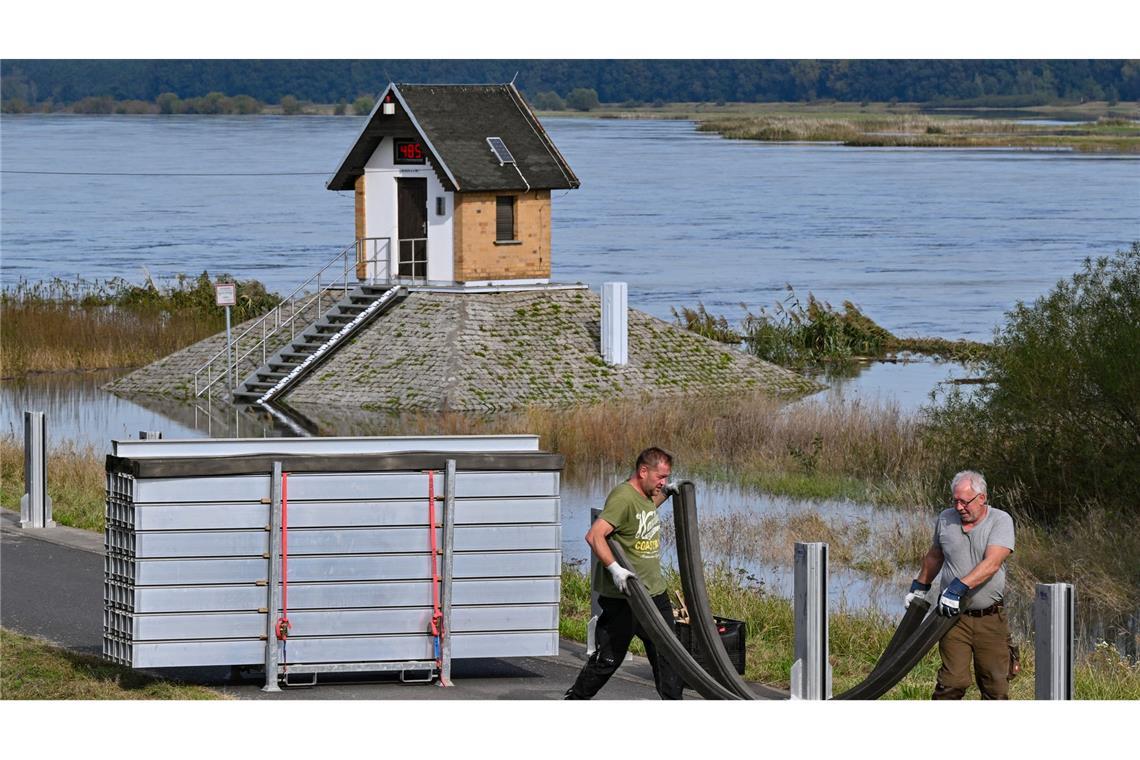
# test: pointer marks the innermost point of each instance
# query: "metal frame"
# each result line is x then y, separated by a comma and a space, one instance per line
35, 504
273, 587
1054, 610
220, 447
811, 669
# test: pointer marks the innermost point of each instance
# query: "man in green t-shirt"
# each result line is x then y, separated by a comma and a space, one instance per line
630, 516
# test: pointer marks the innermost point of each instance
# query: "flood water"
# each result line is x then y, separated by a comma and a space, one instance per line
927, 242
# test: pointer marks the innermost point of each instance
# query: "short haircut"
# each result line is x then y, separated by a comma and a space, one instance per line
653, 457
976, 479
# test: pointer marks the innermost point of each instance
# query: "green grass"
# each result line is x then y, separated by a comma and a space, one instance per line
35, 669
857, 639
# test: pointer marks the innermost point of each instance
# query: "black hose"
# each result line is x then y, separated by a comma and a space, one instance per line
909, 624
702, 622
912, 639
933, 628
663, 637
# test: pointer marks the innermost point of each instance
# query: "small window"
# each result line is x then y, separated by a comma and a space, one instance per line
505, 217
441, 206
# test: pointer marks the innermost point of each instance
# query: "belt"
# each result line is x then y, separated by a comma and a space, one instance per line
991, 610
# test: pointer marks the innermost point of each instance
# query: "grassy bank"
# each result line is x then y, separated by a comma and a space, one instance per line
76, 482
857, 639
79, 325
1112, 127
35, 669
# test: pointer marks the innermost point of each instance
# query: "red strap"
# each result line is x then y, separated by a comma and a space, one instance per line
283, 625
437, 631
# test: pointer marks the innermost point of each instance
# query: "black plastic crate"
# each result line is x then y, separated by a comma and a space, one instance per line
731, 635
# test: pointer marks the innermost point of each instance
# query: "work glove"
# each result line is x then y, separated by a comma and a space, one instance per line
951, 599
917, 591
620, 574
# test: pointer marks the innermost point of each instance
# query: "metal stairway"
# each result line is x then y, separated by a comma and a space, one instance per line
309, 349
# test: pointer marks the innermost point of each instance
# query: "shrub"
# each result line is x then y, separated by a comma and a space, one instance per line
102, 104
549, 101
1057, 429
168, 102
290, 105
245, 104
582, 99
363, 105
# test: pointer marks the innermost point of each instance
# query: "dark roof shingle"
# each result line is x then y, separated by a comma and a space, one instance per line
455, 121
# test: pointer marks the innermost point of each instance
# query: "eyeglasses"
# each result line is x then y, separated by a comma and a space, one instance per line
961, 503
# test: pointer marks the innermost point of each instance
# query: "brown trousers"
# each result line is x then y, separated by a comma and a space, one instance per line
986, 639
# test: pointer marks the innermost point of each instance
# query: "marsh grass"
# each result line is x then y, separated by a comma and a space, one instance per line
65, 325
877, 129
795, 334
35, 669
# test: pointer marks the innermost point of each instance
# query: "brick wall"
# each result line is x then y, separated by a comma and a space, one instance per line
478, 257
361, 265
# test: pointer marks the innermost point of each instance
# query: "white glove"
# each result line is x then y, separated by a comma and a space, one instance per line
917, 591
620, 574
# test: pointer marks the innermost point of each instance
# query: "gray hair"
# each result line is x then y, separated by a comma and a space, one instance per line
976, 479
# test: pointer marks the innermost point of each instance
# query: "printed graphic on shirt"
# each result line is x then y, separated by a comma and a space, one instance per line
647, 539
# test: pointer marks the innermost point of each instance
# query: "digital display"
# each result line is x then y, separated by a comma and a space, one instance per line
409, 151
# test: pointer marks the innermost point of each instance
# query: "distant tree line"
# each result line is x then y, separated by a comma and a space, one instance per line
34, 83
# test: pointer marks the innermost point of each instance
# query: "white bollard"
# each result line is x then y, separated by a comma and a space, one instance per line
1054, 613
811, 670
35, 505
615, 323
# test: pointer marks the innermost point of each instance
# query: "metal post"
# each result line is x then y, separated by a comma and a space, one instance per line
273, 588
615, 323
811, 670
150, 435
229, 353
35, 504
1054, 610
448, 568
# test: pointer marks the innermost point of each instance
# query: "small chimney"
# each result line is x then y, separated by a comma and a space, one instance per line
615, 323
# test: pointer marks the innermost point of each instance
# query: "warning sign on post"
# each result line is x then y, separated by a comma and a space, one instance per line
225, 294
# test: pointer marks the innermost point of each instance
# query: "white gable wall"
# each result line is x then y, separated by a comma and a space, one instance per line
380, 218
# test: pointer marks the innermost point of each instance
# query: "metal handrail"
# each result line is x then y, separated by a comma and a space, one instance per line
273, 321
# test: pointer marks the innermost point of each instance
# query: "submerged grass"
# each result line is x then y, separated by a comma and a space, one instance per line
36, 669
857, 639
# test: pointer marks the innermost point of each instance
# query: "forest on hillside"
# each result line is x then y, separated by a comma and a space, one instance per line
40, 83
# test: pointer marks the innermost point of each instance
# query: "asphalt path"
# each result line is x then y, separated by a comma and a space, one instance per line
51, 586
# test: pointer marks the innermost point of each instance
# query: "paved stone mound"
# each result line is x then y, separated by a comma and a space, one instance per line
493, 352
497, 351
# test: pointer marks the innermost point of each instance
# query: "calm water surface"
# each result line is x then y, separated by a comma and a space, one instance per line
929, 242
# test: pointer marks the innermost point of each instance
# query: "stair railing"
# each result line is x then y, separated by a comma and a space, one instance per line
320, 289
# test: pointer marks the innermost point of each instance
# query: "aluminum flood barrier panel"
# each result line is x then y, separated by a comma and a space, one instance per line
197, 564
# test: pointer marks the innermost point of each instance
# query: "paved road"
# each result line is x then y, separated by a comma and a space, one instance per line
51, 586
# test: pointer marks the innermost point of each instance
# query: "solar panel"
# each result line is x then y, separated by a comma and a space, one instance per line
499, 148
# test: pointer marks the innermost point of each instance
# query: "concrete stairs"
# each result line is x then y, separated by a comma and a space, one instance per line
318, 342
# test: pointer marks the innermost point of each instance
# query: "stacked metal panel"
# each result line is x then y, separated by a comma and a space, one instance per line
189, 554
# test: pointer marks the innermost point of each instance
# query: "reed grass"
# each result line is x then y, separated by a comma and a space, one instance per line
64, 325
32, 668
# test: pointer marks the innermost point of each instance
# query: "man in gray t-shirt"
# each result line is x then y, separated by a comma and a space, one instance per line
971, 542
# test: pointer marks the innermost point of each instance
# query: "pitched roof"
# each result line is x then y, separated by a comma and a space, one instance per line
454, 122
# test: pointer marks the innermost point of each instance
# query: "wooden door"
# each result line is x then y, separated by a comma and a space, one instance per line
411, 215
